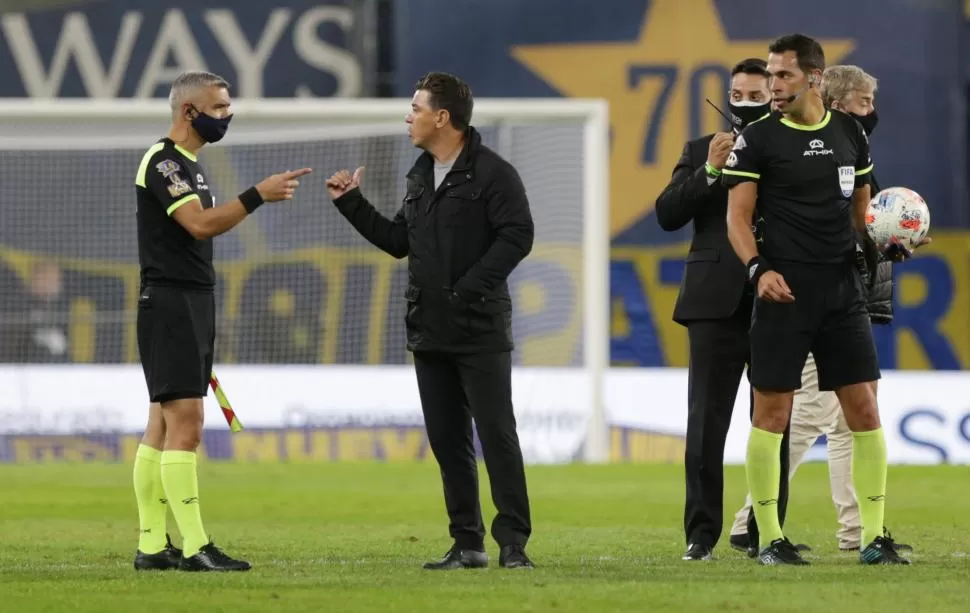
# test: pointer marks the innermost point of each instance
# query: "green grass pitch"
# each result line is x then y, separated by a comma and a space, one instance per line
351, 537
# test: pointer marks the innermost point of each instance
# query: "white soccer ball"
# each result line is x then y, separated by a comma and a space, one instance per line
898, 214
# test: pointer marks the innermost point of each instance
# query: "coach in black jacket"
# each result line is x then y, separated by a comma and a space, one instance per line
465, 224
715, 304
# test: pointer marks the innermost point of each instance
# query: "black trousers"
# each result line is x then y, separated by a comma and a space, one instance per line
719, 352
454, 389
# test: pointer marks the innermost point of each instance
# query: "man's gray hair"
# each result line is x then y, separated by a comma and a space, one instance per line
187, 83
840, 82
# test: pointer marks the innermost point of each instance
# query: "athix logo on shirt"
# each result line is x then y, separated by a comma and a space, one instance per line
816, 147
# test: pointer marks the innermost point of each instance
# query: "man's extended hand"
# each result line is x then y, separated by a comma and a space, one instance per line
894, 251
342, 182
719, 149
281, 186
772, 288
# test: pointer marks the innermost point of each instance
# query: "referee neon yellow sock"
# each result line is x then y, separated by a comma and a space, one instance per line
869, 478
182, 488
763, 468
150, 495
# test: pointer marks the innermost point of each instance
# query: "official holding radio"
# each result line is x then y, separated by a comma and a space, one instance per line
714, 304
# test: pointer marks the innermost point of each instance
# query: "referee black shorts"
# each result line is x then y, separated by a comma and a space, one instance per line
176, 341
828, 318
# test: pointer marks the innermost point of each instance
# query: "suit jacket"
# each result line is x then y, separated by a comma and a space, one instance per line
715, 280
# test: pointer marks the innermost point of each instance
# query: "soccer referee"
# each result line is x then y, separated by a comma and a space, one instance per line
176, 316
807, 168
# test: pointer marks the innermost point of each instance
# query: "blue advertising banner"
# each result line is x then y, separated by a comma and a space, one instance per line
134, 48
656, 61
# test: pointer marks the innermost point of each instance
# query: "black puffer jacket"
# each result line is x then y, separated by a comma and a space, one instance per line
462, 241
881, 293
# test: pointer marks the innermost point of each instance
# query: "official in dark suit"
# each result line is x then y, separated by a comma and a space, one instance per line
715, 305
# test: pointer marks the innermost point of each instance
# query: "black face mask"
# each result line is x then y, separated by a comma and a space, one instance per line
743, 113
210, 129
868, 121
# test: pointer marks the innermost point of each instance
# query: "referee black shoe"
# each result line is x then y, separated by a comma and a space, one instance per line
211, 558
882, 550
897, 546
781, 551
513, 556
166, 559
459, 558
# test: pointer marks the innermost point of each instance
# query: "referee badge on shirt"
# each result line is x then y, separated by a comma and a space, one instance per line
847, 180
167, 168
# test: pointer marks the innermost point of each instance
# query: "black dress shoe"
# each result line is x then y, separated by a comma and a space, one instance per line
166, 559
698, 551
740, 542
459, 558
513, 556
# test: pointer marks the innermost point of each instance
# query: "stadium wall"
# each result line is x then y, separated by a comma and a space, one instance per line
336, 413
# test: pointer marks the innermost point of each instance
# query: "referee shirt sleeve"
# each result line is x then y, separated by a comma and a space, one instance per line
863, 164
744, 162
167, 180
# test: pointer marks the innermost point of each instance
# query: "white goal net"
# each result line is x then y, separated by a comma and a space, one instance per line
297, 285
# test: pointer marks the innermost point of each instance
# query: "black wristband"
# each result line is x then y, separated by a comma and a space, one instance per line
757, 266
251, 199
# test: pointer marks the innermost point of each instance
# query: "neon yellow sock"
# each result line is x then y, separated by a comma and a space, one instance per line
763, 468
150, 495
869, 478
182, 488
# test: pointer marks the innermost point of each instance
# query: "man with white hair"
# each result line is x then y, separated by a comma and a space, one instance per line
815, 413
177, 219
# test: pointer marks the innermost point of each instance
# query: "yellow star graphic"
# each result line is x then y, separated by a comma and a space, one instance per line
656, 88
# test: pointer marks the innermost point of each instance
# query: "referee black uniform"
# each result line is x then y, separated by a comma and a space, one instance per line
463, 230
176, 307
806, 176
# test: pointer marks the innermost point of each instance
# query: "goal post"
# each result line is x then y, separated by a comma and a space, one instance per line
67, 193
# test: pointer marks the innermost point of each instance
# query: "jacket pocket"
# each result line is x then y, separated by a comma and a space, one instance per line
412, 316
464, 205
485, 316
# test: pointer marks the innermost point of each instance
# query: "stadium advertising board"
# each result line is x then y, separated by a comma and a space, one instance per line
346, 306
134, 48
336, 413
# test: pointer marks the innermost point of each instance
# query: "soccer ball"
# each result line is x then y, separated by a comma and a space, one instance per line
898, 214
